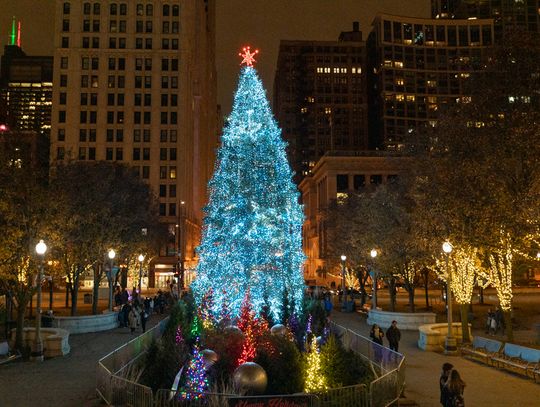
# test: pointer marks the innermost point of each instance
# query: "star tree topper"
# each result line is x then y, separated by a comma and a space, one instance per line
249, 57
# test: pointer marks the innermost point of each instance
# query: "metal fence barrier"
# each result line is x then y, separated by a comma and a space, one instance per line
387, 365
111, 387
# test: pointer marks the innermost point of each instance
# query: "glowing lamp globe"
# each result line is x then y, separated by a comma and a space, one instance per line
111, 254
373, 253
141, 258
41, 248
447, 247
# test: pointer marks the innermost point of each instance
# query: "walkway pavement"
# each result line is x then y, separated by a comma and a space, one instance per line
486, 386
68, 381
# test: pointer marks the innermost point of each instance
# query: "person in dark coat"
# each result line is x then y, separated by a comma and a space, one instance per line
376, 334
393, 334
454, 387
446, 369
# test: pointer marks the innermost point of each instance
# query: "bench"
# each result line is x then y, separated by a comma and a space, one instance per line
521, 358
484, 348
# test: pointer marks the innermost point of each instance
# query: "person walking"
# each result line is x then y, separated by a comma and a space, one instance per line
446, 369
144, 317
376, 334
454, 390
393, 334
133, 318
328, 304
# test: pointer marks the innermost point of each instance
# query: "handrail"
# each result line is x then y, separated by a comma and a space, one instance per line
388, 386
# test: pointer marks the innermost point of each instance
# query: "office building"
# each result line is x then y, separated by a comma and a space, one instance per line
336, 175
26, 90
135, 83
320, 98
506, 14
418, 67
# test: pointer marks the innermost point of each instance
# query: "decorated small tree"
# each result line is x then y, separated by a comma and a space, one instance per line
253, 327
315, 380
196, 378
252, 228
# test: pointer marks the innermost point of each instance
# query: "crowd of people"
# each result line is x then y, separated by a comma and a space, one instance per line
134, 310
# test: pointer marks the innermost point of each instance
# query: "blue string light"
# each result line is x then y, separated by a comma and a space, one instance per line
253, 224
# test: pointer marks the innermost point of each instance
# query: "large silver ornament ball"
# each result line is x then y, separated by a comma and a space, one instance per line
210, 357
233, 329
278, 329
251, 378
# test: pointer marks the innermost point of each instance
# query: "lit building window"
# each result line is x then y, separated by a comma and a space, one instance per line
431, 84
398, 64
399, 97
400, 81
410, 98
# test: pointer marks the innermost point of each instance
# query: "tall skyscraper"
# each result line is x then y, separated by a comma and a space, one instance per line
417, 67
135, 83
506, 14
320, 98
26, 90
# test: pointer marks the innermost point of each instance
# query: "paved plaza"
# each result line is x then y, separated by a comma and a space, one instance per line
486, 386
70, 381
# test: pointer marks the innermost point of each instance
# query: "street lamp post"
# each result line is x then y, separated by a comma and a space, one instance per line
450, 346
373, 253
37, 354
141, 259
181, 272
112, 255
343, 295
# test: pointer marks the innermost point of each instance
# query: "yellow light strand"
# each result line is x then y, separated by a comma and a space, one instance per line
315, 381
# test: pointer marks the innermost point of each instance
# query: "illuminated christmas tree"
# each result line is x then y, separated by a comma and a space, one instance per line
253, 328
196, 378
252, 228
315, 380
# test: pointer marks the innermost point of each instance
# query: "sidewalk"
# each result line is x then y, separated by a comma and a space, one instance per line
68, 381
486, 386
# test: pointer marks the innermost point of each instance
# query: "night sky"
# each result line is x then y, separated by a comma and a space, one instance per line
259, 23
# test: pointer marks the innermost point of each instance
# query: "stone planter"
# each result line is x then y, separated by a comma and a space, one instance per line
405, 320
87, 323
431, 337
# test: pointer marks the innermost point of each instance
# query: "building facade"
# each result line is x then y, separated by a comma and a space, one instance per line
26, 91
135, 83
417, 67
506, 14
320, 98
336, 175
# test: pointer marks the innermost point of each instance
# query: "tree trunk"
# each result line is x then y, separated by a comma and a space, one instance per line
68, 288
411, 299
21, 310
508, 325
74, 296
392, 292
95, 292
464, 311
482, 295
426, 288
